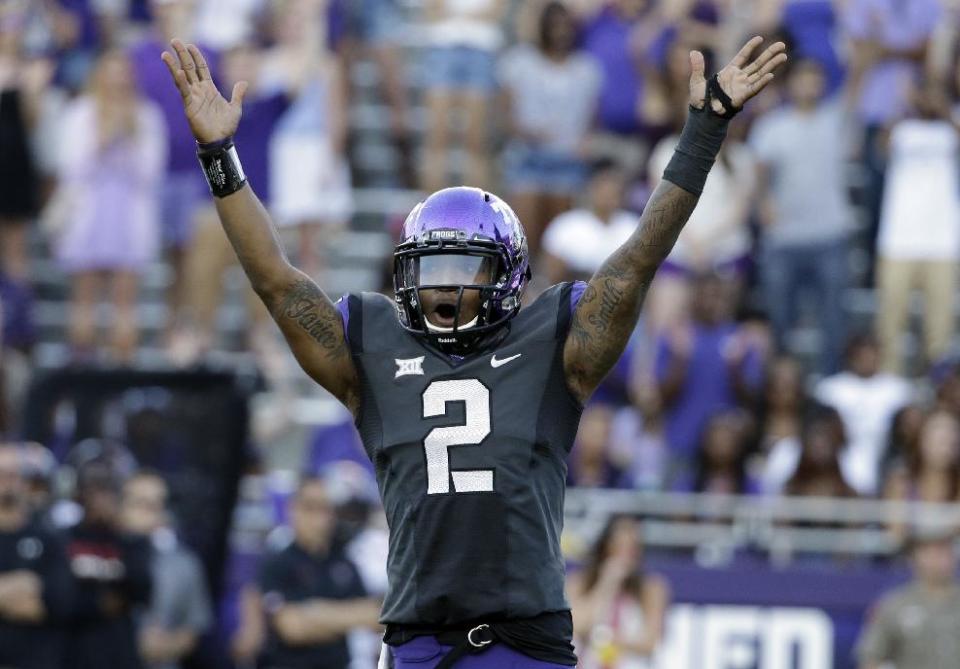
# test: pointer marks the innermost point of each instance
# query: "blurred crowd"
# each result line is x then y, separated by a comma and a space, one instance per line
780, 352
100, 577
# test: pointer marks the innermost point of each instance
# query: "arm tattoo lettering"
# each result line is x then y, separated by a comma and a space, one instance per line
611, 296
306, 307
610, 305
303, 309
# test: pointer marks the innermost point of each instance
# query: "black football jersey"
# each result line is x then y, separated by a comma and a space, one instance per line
470, 461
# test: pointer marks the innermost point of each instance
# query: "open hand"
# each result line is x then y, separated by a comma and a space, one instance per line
211, 117
742, 78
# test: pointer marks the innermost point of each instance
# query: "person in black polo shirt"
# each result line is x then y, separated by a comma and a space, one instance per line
112, 575
312, 594
35, 583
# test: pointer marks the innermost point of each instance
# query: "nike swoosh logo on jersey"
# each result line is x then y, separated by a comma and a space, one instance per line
500, 363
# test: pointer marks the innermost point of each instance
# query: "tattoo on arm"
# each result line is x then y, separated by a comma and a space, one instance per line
309, 309
610, 305
666, 214
610, 298
314, 329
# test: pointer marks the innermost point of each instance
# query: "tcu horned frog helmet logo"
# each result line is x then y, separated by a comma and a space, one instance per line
466, 221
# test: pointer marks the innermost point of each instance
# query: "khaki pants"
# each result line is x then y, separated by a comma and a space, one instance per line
937, 280
209, 257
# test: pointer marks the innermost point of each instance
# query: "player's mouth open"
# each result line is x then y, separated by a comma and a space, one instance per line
444, 314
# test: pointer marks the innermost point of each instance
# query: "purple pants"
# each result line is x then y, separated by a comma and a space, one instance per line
424, 652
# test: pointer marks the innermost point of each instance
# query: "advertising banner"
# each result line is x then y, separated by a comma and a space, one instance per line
753, 616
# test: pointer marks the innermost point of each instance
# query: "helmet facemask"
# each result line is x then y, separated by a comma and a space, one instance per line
454, 293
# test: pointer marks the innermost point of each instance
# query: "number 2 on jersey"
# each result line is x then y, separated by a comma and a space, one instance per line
476, 427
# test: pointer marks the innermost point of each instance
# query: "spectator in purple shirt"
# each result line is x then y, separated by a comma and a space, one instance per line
812, 25
812, 28
709, 365
182, 189
608, 36
891, 40
263, 106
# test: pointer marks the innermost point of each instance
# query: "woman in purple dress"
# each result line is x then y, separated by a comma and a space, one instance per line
113, 156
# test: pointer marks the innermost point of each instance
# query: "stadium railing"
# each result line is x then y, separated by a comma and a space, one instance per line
780, 527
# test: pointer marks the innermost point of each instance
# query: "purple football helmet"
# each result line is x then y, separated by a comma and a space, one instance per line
477, 234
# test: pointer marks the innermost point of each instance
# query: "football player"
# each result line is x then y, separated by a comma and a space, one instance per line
467, 403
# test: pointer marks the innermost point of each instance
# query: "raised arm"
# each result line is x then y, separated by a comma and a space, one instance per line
610, 306
306, 316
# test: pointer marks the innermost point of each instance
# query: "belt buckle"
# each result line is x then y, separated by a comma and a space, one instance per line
480, 644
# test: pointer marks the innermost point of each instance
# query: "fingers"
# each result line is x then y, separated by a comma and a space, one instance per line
743, 56
203, 72
697, 67
771, 65
179, 78
186, 61
761, 84
239, 90
771, 52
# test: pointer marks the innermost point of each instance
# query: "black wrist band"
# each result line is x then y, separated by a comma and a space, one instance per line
716, 92
218, 144
221, 166
699, 144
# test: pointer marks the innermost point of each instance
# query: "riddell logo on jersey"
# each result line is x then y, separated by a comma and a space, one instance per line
409, 367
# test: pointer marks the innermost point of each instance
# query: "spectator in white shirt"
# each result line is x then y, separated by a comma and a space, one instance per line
227, 24
919, 241
867, 400
577, 242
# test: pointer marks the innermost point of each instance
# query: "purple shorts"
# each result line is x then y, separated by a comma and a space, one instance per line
425, 652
